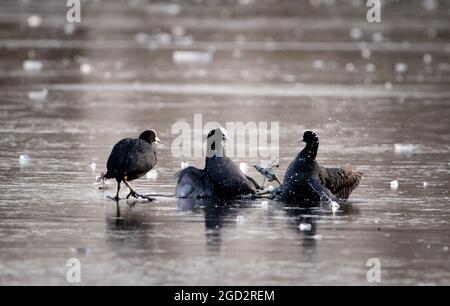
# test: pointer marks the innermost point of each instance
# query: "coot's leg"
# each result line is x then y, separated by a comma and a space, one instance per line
116, 198
134, 194
277, 180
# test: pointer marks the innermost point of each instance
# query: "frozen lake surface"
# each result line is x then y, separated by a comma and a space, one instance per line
134, 65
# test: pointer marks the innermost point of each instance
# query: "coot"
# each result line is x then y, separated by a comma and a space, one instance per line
220, 178
131, 159
307, 181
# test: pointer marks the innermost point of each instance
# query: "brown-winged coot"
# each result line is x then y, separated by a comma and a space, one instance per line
307, 181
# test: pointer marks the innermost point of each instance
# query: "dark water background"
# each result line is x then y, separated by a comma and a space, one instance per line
304, 64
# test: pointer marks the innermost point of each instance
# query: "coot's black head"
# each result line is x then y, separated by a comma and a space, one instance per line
150, 136
310, 137
220, 133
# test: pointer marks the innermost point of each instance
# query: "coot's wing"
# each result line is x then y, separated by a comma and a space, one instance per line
244, 183
257, 186
193, 183
340, 181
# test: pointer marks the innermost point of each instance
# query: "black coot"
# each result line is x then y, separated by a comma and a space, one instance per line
220, 178
131, 159
307, 181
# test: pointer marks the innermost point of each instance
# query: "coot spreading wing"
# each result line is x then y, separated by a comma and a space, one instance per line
221, 177
307, 181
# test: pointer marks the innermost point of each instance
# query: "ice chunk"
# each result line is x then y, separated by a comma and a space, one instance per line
178, 31
141, 38
350, 67
401, 67
34, 21
356, 33
366, 53
388, 85
315, 237
24, 160
32, 65
270, 188
445, 249
93, 167
38, 95
318, 64
152, 175
427, 58
430, 5
85, 68
305, 227
184, 57
243, 167
240, 219
377, 37
184, 165
425, 184
69, 28
394, 185
404, 148
370, 67
162, 38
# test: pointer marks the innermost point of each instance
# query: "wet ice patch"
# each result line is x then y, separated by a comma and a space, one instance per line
24, 160
38, 95
394, 185
187, 57
404, 148
32, 65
